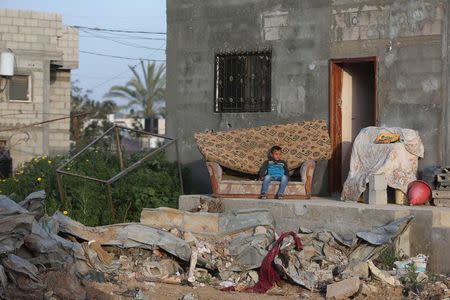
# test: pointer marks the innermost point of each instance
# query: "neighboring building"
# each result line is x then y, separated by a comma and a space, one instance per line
235, 64
45, 53
151, 125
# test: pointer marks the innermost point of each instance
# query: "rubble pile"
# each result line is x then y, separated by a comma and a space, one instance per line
56, 257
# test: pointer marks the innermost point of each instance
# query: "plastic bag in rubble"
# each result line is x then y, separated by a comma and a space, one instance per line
158, 270
419, 262
98, 259
248, 252
35, 204
3, 278
293, 270
15, 223
16, 264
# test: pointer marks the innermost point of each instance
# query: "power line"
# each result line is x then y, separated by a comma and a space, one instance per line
114, 17
122, 57
117, 34
123, 43
116, 30
119, 37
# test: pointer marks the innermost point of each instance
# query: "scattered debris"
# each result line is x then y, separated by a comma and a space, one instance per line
344, 289
382, 276
56, 257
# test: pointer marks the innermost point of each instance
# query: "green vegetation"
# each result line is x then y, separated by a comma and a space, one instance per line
387, 257
155, 183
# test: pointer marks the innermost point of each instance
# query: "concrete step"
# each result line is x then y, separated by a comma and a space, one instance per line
428, 233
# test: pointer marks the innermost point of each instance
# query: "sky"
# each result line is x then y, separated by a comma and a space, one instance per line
99, 73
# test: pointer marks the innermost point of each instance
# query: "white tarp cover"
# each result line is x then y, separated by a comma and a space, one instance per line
398, 161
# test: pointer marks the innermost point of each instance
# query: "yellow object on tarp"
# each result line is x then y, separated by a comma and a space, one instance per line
387, 138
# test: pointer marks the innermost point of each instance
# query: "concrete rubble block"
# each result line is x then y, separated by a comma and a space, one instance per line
201, 222
162, 217
343, 289
356, 268
378, 197
308, 252
237, 220
377, 182
204, 222
167, 218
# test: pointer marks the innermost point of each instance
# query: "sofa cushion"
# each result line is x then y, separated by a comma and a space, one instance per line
247, 187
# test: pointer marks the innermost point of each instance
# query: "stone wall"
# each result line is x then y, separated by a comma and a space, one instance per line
45, 50
409, 39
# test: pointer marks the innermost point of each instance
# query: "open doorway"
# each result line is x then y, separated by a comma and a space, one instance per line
353, 106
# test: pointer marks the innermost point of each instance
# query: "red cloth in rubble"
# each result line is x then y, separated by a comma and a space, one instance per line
268, 275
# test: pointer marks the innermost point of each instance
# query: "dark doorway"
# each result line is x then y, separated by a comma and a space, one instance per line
353, 106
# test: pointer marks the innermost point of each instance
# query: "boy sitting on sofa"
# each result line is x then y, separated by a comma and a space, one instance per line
274, 169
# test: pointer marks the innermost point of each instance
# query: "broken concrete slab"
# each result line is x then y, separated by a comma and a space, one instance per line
356, 269
204, 222
382, 276
127, 235
344, 289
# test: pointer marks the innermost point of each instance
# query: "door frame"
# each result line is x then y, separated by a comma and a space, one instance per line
335, 93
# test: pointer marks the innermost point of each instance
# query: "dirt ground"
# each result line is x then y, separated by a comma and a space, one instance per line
161, 291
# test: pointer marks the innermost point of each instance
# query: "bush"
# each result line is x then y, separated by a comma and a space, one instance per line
154, 183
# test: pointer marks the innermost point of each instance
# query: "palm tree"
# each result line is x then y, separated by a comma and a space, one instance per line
145, 91
82, 108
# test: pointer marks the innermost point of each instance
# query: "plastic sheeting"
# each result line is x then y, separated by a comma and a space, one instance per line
331, 255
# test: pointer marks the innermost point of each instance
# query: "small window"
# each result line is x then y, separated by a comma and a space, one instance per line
243, 82
19, 88
151, 125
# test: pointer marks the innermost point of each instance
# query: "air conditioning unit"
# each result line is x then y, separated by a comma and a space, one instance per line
7, 64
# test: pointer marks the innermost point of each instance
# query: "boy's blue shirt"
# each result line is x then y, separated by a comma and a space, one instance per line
275, 168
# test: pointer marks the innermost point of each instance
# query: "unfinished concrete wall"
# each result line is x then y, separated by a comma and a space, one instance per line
409, 38
45, 50
298, 35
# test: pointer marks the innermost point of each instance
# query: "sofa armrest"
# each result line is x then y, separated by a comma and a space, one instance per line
215, 175
306, 173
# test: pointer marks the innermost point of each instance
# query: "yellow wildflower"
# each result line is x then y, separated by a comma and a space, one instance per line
65, 212
49, 162
39, 179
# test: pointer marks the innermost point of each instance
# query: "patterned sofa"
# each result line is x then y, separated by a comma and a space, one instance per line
244, 151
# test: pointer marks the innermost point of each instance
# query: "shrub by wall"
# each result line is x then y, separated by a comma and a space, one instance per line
155, 183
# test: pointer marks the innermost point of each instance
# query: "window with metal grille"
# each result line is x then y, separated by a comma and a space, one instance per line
19, 88
243, 82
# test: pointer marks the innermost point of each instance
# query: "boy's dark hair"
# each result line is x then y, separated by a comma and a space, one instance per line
275, 148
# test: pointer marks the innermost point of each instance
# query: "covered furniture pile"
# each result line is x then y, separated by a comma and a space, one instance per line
244, 151
397, 161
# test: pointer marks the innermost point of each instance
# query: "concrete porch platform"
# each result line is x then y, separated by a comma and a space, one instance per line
429, 232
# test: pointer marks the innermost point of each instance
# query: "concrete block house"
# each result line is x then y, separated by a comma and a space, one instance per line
45, 52
238, 64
